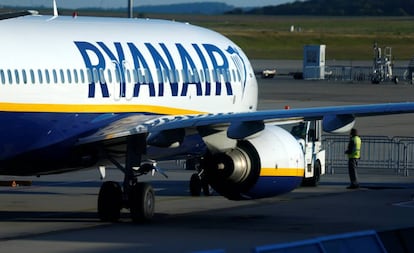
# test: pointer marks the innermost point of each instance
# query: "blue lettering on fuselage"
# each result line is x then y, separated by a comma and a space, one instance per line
220, 69
141, 63
194, 66
84, 47
188, 68
162, 66
118, 61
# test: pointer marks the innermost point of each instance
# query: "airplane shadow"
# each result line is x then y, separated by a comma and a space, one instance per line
161, 187
44, 216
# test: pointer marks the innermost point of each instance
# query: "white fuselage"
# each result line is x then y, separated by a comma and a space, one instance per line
64, 65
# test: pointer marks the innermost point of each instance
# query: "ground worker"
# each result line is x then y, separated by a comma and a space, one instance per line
354, 153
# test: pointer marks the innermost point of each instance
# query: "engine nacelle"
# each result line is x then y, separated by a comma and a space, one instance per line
338, 123
265, 165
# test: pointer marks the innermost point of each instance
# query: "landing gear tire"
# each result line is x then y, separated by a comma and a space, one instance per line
195, 185
198, 184
142, 202
110, 201
313, 181
206, 188
395, 80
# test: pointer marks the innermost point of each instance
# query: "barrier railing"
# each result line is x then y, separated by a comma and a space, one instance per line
353, 73
379, 154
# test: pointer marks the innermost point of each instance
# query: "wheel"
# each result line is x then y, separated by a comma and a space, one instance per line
110, 201
206, 187
313, 181
142, 202
396, 80
195, 185
375, 80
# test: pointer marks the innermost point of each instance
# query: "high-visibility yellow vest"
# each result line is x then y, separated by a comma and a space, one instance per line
356, 153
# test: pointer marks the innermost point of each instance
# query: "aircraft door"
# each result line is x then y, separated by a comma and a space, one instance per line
117, 81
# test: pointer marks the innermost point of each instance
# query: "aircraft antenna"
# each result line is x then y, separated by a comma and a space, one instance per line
55, 11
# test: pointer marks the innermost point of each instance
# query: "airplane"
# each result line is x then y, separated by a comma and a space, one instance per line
77, 92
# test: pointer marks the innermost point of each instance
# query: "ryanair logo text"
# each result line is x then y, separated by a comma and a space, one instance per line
205, 67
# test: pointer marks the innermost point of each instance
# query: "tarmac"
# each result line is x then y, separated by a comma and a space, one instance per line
57, 213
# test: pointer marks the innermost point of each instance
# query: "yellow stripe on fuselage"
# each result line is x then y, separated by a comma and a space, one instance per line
282, 172
93, 108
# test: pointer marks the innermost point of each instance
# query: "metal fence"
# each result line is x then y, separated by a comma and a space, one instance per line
361, 73
355, 73
379, 154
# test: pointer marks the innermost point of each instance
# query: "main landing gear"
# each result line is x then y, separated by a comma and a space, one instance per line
140, 200
138, 197
198, 183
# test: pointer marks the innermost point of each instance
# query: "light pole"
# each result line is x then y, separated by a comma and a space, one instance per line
130, 8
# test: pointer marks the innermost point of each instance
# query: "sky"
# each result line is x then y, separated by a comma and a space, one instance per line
73, 4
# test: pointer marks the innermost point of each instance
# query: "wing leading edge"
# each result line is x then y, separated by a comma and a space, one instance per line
10, 15
241, 125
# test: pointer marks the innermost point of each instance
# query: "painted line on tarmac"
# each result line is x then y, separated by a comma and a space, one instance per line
409, 204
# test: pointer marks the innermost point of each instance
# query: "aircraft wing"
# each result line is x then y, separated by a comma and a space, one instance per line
17, 14
241, 125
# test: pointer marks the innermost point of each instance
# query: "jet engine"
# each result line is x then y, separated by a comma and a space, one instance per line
266, 164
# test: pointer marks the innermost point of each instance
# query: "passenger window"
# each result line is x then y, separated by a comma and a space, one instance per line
207, 75
228, 75
109, 76
159, 76
82, 75
117, 75
55, 78
69, 75
190, 76
135, 75
24, 76
140, 76
184, 75
39, 73
62, 76
166, 75
75, 76
32, 76
89, 75
196, 77
47, 76
2, 77
176, 76
201, 76
216, 74
16, 74
10, 76
95, 75
101, 76
147, 76
128, 76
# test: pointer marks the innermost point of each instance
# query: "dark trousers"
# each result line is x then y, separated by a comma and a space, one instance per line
352, 170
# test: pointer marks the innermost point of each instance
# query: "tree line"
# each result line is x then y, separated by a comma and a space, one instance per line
338, 8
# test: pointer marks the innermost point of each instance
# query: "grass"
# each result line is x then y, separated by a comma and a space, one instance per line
347, 38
